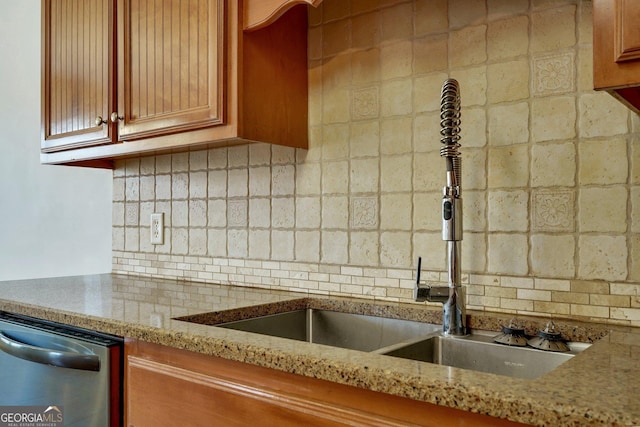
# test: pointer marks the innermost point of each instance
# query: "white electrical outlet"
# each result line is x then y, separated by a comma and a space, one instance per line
157, 228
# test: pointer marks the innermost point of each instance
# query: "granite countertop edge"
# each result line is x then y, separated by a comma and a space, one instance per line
488, 394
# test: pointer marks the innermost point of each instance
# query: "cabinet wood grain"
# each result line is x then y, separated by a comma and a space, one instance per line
169, 387
616, 49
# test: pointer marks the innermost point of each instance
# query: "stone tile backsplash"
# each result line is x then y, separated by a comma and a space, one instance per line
551, 169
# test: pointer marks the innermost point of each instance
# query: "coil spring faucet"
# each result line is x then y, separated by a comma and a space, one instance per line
452, 297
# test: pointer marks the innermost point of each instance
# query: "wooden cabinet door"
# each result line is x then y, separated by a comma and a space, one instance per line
77, 65
170, 66
616, 49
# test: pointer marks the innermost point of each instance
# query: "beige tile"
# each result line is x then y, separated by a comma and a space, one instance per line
307, 246
308, 178
602, 115
336, 37
468, 46
395, 212
197, 213
508, 254
508, 38
603, 162
508, 124
590, 286
427, 211
238, 156
473, 85
335, 212
396, 60
335, 106
396, 97
365, 30
634, 249
584, 66
364, 177
516, 304
426, 133
553, 29
359, 6
464, 12
216, 213
335, 177
363, 248
553, 118
216, 242
197, 241
475, 210
397, 22
551, 307
259, 244
500, 8
282, 244
553, 165
473, 131
260, 181
335, 246
508, 210
632, 314
590, 311
429, 172
508, 166
553, 255
282, 212
332, 11
635, 160
602, 257
395, 173
282, 180
431, 16
600, 209
552, 284
365, 66
394, 250
238, 183
430, 53
396, 135
610, 300
569, 297
260, 213
474, 250
474, 175
427, 90
498, 291
364, 139
431, 248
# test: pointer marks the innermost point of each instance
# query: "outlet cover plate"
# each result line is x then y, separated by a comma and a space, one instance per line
157, 229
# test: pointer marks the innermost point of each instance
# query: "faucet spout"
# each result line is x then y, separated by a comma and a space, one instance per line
452, 297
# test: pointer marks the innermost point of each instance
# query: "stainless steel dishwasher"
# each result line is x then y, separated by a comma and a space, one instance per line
72, 371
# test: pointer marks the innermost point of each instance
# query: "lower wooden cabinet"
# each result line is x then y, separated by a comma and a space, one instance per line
170, 387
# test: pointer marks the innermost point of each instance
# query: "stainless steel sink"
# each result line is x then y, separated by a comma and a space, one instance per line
344, 330
478, 352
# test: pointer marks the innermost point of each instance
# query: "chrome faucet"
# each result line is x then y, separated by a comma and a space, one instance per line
452, 297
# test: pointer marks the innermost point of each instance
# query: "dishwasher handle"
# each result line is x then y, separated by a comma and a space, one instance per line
45, 356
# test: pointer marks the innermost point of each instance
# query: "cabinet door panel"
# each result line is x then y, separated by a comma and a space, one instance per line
77, 82
626, 30
170, 66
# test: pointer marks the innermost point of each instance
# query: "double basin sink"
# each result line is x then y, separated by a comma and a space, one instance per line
407, 339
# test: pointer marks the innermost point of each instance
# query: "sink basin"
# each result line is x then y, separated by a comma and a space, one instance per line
344, 330
478, 352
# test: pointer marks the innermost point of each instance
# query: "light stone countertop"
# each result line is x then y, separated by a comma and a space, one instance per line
598, 387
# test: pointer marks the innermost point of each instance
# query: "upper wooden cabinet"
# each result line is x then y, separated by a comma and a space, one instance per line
616, 49
168, 75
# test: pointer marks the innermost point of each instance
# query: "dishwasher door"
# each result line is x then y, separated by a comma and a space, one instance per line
44, 364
